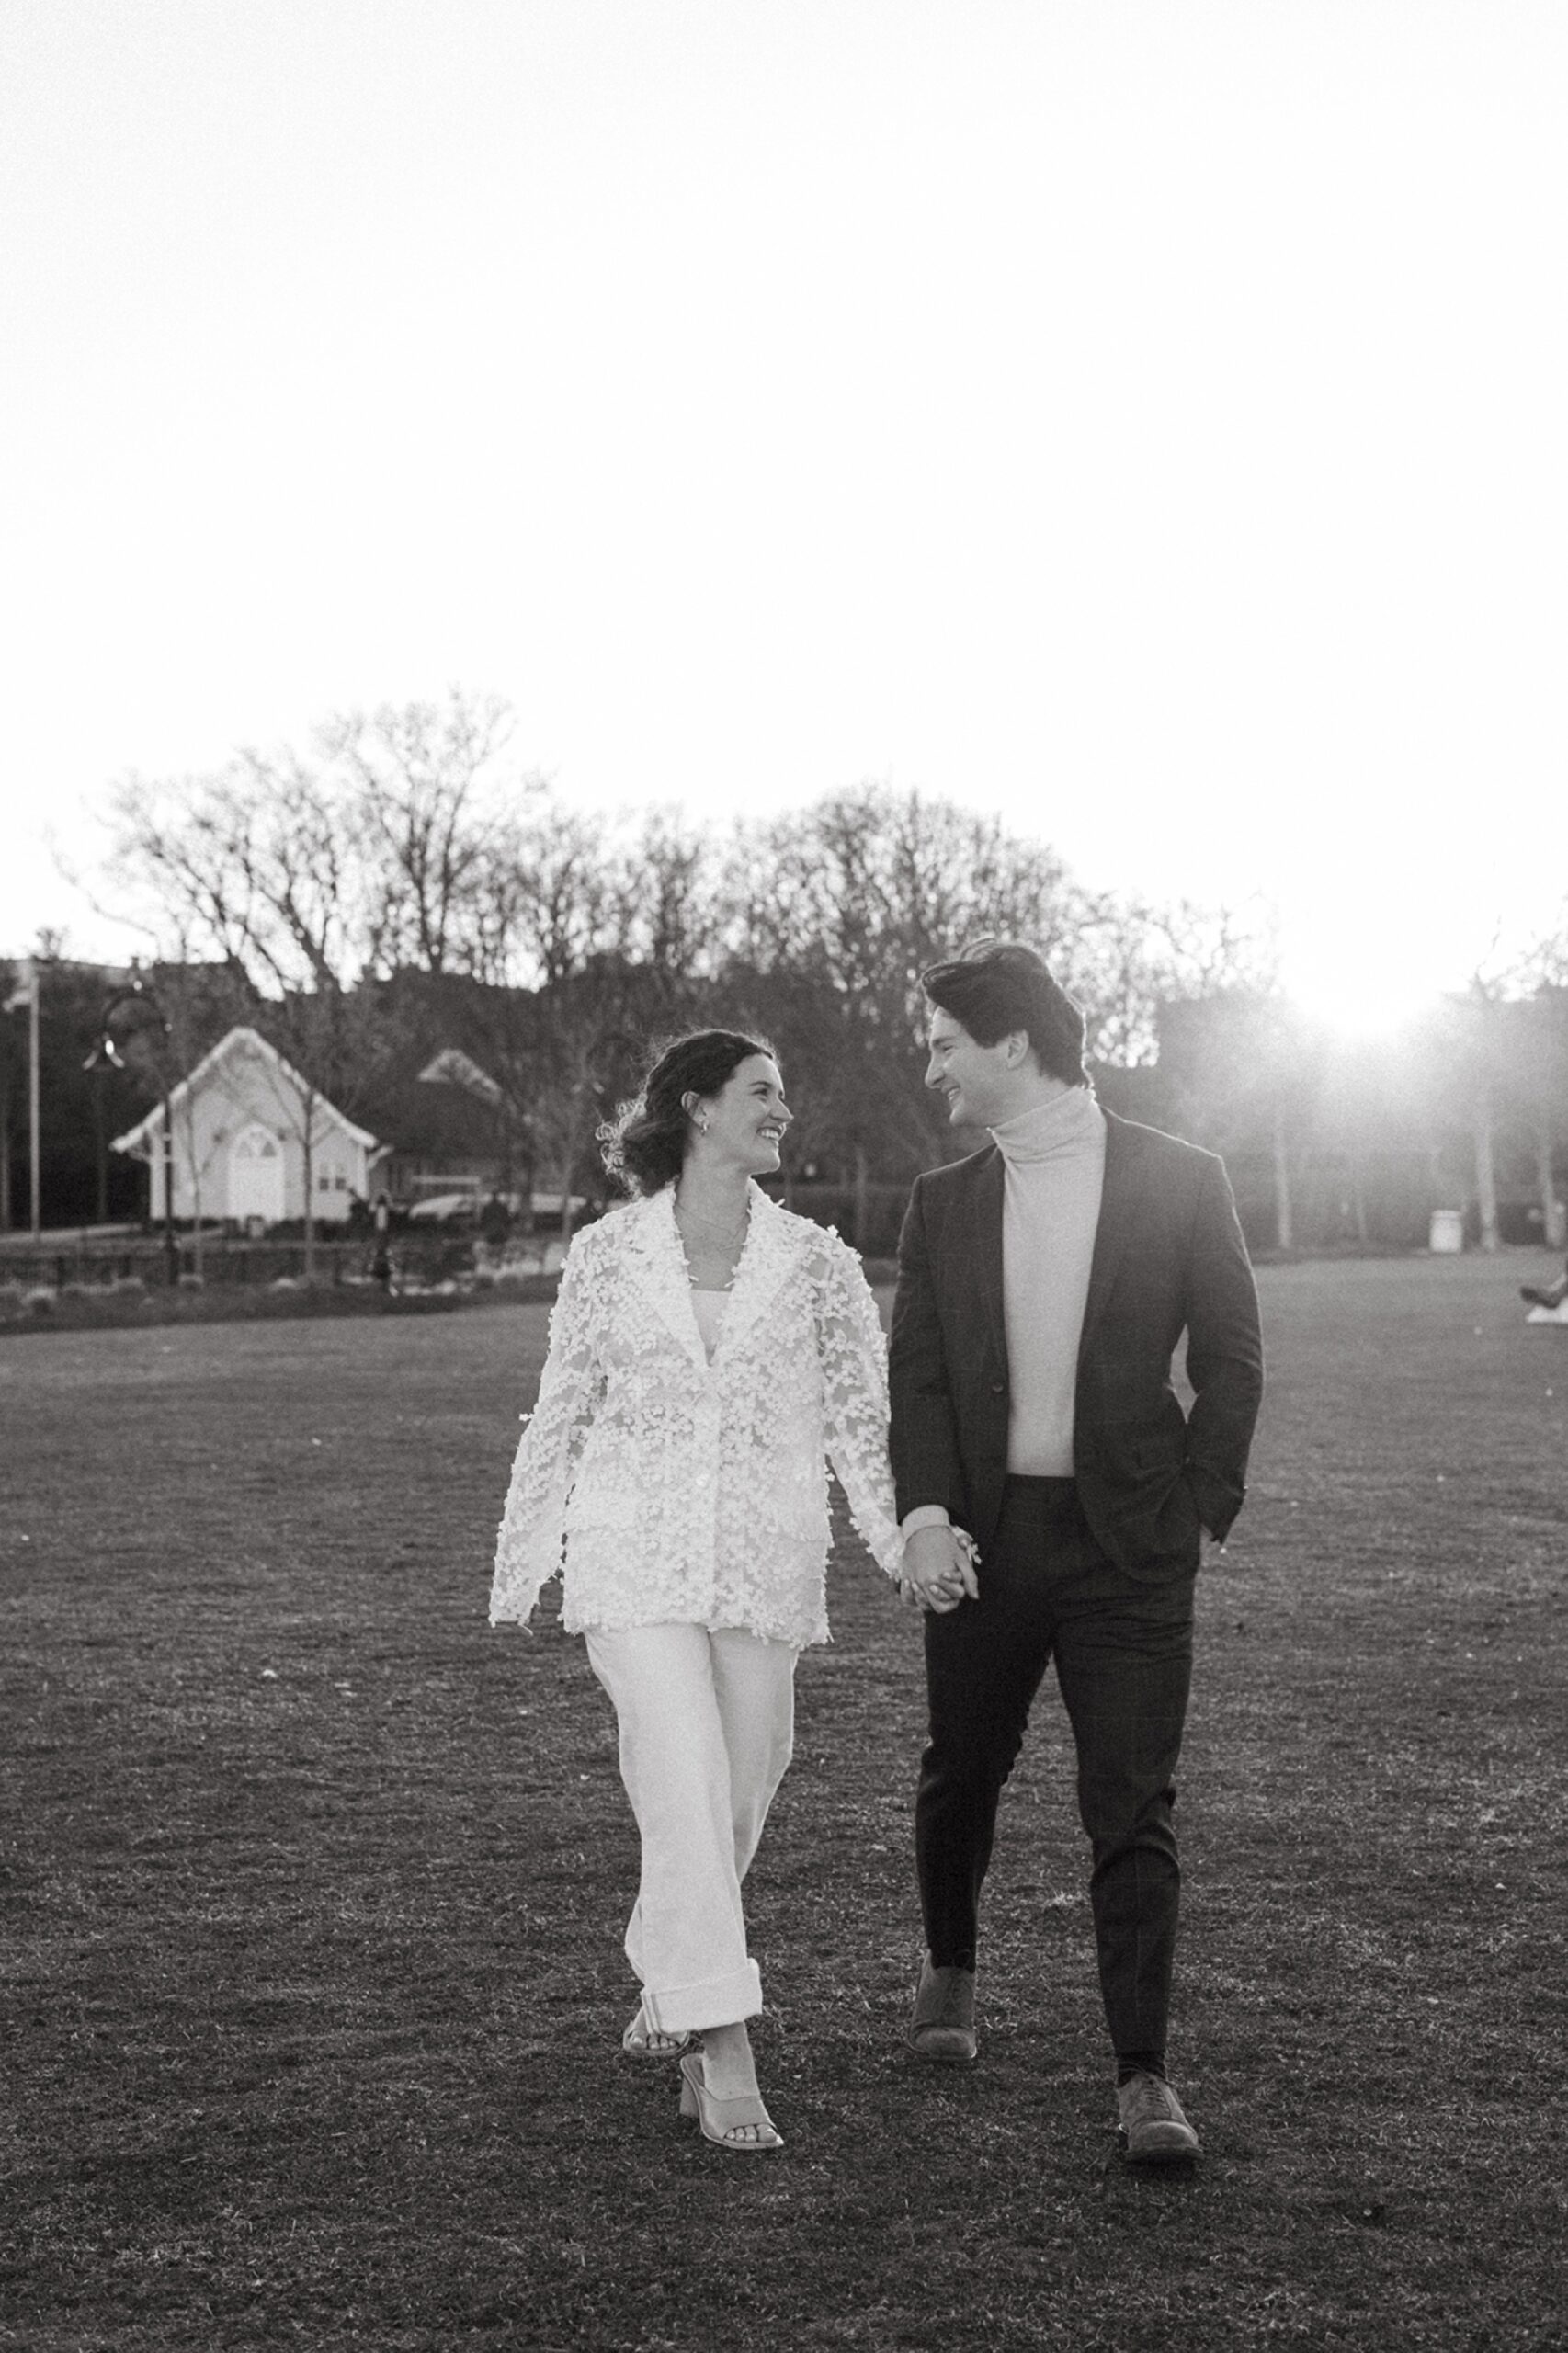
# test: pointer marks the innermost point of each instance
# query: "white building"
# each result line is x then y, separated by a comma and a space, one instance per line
245, 1124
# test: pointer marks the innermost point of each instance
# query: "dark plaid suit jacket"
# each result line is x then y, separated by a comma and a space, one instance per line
1168, 1259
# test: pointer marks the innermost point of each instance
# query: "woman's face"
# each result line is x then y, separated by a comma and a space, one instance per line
746, 1118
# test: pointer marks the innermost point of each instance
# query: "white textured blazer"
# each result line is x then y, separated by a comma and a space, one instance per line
689, 1491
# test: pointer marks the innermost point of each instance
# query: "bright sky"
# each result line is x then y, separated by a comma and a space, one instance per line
1142, 416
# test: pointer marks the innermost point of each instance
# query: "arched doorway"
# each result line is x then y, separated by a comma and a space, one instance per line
256, 1175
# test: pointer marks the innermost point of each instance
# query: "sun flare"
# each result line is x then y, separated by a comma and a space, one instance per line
1365, 988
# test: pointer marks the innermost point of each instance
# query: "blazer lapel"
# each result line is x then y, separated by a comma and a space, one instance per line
1116, 1201
765, 1261
658, 1265
986, 1248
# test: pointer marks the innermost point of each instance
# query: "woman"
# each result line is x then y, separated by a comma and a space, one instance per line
707, 1349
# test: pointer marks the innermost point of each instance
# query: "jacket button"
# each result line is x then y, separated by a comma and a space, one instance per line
998, 1387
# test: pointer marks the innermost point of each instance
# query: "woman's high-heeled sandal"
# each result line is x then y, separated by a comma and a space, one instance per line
720, 2120
645, 2041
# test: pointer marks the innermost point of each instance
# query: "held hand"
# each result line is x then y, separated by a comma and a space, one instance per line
939, 1569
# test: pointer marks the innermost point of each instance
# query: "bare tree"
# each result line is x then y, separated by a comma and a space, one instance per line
603, 934
1242, 1074
835, 910
404, 845
668, 883
1130, 956
552, 905
1538, 1060
424, 790
1545, 1073
378, 852
256, 869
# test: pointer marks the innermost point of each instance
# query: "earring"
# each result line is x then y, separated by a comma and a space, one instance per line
702, 1126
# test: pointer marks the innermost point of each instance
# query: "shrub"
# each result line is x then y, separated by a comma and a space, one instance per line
508, 1276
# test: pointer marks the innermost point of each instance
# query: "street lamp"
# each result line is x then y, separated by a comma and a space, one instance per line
106, 1054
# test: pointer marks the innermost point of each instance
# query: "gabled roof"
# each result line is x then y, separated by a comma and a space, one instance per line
250, 1041
452, 1067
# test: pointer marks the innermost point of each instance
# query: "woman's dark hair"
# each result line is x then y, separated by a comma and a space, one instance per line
644, 1145
996, 986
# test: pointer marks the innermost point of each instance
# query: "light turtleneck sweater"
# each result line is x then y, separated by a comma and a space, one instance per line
1055, 1174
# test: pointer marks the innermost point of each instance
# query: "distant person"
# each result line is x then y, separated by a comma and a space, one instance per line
1547, 1294
495, 1222
381, 1255
1044, 1286
708, 1352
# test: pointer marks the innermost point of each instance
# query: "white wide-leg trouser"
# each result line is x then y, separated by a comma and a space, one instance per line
706, 1725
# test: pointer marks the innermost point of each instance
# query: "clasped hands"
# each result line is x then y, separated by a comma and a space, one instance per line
939, 1566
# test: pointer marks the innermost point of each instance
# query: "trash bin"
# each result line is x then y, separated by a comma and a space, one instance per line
1447, 1231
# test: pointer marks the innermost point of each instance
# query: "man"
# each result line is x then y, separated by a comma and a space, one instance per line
1043, 1287
1547, 1295
494, 1223
380, 1260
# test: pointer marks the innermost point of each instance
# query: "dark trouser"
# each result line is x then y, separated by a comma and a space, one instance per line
1123, 1649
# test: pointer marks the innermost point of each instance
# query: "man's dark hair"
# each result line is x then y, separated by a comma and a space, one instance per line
996, 986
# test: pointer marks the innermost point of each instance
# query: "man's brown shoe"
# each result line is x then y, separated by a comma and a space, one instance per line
1154, 2132
942, 2027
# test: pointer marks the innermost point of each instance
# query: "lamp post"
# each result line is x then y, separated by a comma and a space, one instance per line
106, 1054
25, 993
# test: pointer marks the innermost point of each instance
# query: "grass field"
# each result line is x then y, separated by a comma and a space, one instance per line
313, 1889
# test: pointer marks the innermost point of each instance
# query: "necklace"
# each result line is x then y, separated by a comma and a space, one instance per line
728, 1241
730, 1233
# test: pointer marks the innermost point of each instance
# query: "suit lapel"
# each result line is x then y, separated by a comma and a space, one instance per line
985, 1247
765, 1260
658, 1266
1116, 1201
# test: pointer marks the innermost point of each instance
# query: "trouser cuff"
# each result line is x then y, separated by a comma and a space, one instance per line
715, 2001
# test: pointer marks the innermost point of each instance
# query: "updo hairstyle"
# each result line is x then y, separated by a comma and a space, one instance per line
644, 1147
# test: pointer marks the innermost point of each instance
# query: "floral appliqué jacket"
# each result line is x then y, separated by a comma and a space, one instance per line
680, 1489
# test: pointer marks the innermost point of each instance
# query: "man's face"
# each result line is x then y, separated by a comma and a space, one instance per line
977, 1081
